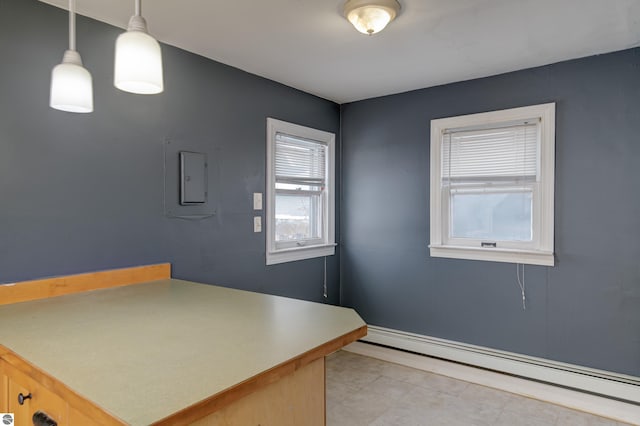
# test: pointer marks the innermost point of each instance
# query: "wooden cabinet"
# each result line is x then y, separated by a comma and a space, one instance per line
41, 392
294, 400
35, 397
77, 417
4, 388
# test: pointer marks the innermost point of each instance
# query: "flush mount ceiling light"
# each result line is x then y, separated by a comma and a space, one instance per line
371, 16
71, 85
138, 65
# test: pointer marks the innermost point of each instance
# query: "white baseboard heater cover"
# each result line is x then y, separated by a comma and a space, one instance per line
599, 382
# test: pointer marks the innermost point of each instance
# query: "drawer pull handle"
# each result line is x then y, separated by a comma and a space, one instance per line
42, 419
21, 398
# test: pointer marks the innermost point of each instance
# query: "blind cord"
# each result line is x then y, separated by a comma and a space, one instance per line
325, 278
521, 284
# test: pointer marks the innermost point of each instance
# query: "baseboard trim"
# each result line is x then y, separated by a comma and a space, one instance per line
593, 404
600, 382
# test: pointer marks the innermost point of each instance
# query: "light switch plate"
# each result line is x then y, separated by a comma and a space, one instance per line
257, 224
257, 201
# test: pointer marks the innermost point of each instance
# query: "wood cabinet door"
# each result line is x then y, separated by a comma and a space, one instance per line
38, 398
294, 400
4, 389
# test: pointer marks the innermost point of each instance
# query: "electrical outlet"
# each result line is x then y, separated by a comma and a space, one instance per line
257, 201
257, 224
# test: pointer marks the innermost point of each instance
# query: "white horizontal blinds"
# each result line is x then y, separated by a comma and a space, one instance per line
300, 161
502, 152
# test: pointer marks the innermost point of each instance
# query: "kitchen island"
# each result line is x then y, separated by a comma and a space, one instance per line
165, 351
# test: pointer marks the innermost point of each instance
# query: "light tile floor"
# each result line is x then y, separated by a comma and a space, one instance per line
367, 391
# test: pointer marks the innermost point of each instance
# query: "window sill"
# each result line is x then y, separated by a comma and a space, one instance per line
493, 255
300, 253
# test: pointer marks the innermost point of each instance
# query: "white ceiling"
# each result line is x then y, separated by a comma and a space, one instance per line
307, 44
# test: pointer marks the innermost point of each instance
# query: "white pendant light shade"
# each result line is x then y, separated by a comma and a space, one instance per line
371, 16
138, 63
71, 85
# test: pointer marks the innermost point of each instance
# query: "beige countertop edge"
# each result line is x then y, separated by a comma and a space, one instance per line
230, 395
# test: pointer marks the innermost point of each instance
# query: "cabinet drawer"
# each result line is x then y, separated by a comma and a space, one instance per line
38, 398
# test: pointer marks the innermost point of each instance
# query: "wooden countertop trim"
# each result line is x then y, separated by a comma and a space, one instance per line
59, 286
229, 396
87, 407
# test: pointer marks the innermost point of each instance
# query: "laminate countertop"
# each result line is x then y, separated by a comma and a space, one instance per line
145, 351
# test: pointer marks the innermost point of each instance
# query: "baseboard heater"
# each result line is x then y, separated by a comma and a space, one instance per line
600, 382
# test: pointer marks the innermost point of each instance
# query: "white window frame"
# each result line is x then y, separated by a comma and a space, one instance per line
540, 251
326, 244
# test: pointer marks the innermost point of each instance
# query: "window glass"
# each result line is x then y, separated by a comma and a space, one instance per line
297, 217
492, 216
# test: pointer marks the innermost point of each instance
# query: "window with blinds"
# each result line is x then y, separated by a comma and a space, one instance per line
300, 177
489, 178
492, 185
300, 192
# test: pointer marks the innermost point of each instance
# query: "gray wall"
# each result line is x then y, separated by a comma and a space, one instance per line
586, 309
85, 192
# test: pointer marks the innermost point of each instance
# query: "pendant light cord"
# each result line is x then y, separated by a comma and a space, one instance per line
138, 8
72, 24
